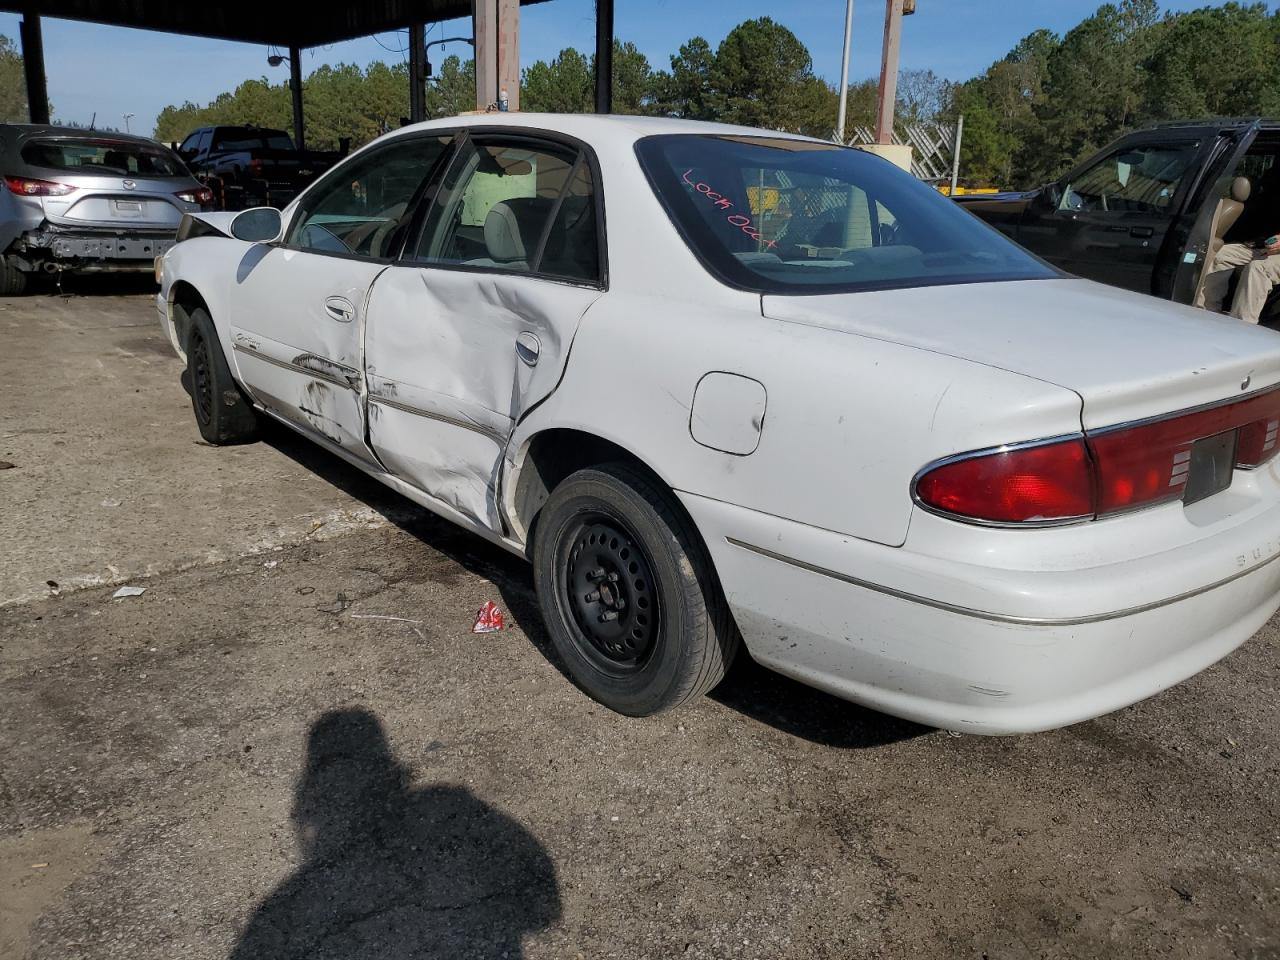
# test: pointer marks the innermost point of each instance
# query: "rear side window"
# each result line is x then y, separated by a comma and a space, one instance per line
778, 215
114, 157
515, 206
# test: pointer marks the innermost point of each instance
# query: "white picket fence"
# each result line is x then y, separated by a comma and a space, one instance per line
932, 147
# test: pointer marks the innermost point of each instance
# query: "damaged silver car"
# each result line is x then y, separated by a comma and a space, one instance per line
86, 200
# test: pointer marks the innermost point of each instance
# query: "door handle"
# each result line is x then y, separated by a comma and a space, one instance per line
340, 309
1142, 231
528, 347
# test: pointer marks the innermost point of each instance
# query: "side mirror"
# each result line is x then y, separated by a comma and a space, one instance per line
257, 225
1050, 196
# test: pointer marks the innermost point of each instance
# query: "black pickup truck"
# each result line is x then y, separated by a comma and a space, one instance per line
1146, 212
252, 166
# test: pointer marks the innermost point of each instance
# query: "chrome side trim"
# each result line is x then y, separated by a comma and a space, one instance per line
493, 435
296, 367
990, 615
986, 452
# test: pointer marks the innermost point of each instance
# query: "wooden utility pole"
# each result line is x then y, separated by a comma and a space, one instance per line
889, 70
496, 26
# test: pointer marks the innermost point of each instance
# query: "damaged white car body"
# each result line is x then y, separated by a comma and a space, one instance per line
719, 383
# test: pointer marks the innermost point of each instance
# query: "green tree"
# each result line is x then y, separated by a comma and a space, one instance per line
1094, 87
1214, 62
452, 90
762, 76
567, 83
13, 85
686, 92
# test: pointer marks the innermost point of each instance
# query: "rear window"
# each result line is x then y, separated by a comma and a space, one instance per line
251, 140
104, 156
793, 216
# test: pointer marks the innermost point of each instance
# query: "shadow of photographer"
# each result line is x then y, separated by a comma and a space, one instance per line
393, 871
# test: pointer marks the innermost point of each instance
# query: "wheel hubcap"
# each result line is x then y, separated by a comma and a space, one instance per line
610, 592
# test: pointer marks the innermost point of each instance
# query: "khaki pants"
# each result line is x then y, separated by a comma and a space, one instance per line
1257, 278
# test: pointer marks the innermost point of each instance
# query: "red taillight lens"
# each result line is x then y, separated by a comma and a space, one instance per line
200, 195
1107, 472
1149, 463
27, 187
255, 167
1044, 483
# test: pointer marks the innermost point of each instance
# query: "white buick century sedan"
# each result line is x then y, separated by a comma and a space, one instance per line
723, 385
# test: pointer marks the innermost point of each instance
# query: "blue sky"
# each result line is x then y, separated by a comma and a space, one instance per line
112, 71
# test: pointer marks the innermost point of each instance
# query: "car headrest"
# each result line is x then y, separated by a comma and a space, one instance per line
116, 158
1241, 187
513, 227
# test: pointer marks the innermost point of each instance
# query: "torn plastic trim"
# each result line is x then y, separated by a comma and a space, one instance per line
311, 365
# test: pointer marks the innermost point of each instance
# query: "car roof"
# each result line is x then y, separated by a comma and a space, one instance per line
592, 126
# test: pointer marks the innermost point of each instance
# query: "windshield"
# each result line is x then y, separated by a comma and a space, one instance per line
795, 216
104, 156
244, 139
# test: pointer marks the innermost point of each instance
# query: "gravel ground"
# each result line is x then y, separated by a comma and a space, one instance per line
291, 745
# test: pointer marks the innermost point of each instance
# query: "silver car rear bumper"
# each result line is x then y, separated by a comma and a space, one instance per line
87, 246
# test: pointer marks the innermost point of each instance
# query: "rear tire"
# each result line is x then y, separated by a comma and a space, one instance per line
628, 592
223, 413
13, 282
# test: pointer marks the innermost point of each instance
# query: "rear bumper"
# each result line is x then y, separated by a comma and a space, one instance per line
139, 247
958, 646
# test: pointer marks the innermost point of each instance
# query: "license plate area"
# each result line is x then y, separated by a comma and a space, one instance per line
127, 208
1213, 460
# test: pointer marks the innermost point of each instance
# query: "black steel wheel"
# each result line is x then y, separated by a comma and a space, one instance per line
628, 593
201, 378
223, 413
608, 582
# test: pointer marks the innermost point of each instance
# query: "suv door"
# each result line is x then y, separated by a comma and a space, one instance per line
472, 327
1112, 214
298, 307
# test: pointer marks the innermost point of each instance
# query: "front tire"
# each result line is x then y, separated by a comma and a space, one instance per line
628, 593
223, 413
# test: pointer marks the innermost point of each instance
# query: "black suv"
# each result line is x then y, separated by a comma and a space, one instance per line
1147, 211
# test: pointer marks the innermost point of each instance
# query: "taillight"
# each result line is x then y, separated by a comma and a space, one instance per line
255, 167
1107, 471
200, 195
27, 187
1041, 483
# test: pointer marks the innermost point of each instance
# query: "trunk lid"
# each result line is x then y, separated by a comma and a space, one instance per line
120, 203
1128, 356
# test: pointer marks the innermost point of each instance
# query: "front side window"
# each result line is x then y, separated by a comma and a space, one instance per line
794, 216
1140, 179
362, 206
515, 206
115, 157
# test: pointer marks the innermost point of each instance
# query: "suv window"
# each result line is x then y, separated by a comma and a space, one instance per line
516, 206
359, 207
249, 138
1140, 179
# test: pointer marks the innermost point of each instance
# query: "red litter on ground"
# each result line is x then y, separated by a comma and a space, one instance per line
489, 619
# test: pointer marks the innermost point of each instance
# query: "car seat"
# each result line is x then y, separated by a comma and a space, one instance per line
1225, 216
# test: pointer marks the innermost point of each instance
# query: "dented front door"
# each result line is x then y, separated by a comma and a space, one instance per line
295, 332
